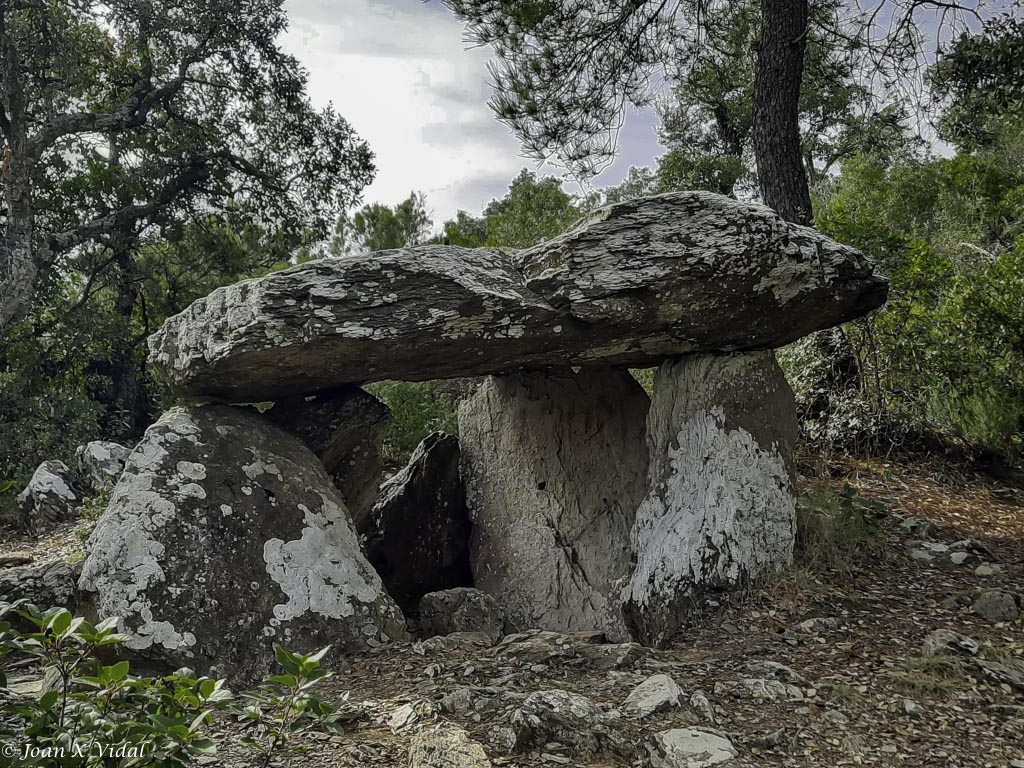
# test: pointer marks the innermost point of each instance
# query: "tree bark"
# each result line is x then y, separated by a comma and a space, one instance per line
776, 125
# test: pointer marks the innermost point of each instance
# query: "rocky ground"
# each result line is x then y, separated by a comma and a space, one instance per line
826, 666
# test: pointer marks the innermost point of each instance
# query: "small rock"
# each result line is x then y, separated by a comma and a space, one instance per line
756, 688
996, 605
567, 718
700, 704
446, 746
655, 694
461, 610
912, 708
818, 625
408, 715
988, 570
1010, 675
943, 642
456, 641
919, 527
775, 671
612, 656
689, 748
836, 717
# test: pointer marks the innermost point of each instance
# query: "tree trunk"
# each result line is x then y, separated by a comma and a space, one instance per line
776, 124
18, 268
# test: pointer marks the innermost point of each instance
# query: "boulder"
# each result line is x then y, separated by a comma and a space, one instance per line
50, 498
633, 284
996, 605
223, 536
655, 694
689, 748
100, 462
554, 465
461, 610
345, 427
47, 585
720, 506
417, 534
446, 746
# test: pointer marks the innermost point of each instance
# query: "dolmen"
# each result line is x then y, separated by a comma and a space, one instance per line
574, 497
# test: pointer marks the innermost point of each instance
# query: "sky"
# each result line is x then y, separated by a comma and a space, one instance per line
400, 72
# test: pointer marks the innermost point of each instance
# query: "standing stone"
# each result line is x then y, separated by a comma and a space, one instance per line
555, 466
101, 462
224, 536
417, 535
345, 428
49, 499
720, 507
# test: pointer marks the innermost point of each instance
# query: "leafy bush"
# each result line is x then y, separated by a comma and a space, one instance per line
93, 713
417, 409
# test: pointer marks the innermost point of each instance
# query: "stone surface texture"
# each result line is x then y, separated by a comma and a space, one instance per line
446, 746
555, 466
461, 610
633, 284
50, 498
223, 536
417, 534
720, 506
345, 427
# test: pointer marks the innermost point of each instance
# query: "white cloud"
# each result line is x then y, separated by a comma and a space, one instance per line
401, 74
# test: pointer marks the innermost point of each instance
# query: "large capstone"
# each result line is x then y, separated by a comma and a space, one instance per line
223, 536
345, 428
634, 283
555, 466
720, 506
417, 535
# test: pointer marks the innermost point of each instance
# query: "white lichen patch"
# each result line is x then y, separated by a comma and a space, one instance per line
322, 571
724, 510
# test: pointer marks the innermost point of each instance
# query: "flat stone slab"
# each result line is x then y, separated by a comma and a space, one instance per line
633, 284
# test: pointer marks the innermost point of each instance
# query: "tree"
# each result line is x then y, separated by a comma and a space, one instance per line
125, 116
378, 227
531, 211
979, 82
566, 70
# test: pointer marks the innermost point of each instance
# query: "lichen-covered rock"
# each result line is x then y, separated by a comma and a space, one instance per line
101, 462
655, 694
446, 746
720, 506
49, 499
461, 610
345, 428
569, 719
417, 534
690, 748
555, 466
47, 585
631, 285
223, 536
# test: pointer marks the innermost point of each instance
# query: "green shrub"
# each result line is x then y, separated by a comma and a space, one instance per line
98, 714
417, 409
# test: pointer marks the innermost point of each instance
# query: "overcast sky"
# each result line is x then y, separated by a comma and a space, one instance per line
400, 73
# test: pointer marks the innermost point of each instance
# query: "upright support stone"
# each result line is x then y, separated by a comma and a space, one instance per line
720, 507
555, 466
